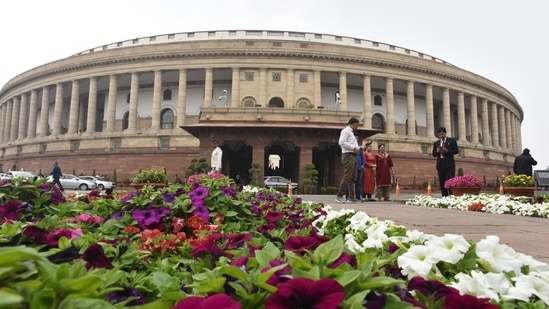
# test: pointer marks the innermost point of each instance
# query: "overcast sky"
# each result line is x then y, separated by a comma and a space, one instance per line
502, 40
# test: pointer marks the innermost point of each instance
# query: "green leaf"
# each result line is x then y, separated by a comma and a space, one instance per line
379, 282
85, 303
9, 256
157, 305
9, 298
234, 272
214, 285
85, 284
348, 277
329, 251
164, 282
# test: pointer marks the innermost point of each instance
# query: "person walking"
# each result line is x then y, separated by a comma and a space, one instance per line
349, 149
56, 175
523, 163
444, 150
369, 179
384, 173
360, 170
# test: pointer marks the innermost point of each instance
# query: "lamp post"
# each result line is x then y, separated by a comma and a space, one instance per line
224, 97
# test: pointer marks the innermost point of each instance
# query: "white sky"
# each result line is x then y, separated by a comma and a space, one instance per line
503, 40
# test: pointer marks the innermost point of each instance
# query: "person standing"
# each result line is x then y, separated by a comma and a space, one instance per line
444, 150
217, 156
349, 149
56, 175
369, 179
360, 170
384, 173
523, 163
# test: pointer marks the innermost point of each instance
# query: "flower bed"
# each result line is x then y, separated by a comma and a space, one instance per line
465, 181
207, 243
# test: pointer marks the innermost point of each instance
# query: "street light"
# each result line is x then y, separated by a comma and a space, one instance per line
224, 97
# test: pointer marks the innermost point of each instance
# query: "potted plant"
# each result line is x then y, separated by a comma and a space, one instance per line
150, 177
519, 185
467, 183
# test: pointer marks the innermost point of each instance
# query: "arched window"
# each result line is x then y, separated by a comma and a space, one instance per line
167, 95
249, 102
378, 122
125, 120
166, 119
377, 100
304, 103
276, 102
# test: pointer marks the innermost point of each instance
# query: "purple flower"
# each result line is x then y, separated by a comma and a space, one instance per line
169, 198
149, 218
95, 257
199, 193
274, 216
36, 233
10, 211
202, 212
306, 293
228, 191
128, 197
127, 292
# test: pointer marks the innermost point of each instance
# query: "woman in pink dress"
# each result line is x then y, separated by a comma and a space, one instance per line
384, 173
369, 180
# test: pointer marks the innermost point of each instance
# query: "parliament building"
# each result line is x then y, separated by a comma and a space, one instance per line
276, 98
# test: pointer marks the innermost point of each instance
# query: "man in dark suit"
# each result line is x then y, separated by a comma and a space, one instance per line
444, 150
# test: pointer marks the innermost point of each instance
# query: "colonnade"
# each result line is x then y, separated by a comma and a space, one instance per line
22, 114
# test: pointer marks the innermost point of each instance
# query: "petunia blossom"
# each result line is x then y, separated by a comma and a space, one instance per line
299, 293
95, 257
217, 301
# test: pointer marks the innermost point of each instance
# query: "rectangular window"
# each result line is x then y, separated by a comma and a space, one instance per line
250, 43
152, 39
276, 77
19, 150
277, 44
303, 45
43, 147
249, 76
171, 36
75, 145
164, 143
116, 143
303, 78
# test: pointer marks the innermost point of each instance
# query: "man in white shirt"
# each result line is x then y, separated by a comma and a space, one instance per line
349, 149
217, 156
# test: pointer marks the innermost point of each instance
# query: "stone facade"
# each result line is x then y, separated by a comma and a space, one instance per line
159, 101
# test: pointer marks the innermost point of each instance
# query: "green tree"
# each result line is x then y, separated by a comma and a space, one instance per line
310, 180
254, 172
198, 166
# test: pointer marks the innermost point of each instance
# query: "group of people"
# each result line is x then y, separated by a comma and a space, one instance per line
365, 173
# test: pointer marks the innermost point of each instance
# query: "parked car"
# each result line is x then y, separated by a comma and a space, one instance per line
20, 174
279, 183
101, 183
69, 181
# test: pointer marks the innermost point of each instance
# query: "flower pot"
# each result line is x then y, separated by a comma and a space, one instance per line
520, 191
459, 191
139, 186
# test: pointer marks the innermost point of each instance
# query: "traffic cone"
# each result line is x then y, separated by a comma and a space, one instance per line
501, 188
290, 187
397, 189
429, 190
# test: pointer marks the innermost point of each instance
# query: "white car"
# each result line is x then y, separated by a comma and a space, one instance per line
279, 182
101, 184
69, 181
20, 174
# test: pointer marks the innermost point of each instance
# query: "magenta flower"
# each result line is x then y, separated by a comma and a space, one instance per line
199, 193
86, 218
9, 211
274, 216
53, 238
301, 243
95, 257
217, 301
431, 287
36, 233
299, 293
344, 258
457, 301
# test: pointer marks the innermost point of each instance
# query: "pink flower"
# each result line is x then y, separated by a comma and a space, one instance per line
306, 293
218, 301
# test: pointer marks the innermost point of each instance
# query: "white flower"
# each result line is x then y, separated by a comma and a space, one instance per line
358, 221
489, 285
528, 286
449, 248
499, 257
417, 261
351, 244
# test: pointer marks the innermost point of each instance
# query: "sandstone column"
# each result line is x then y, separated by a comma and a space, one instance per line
23, 117
429, 110
367, 109
33, 112
92, 106
134, 92
75, 102
411, 108
156, 104
111, 103
182, 97
263, 87
58, 109
461, 117
290, 100
2, 121
208, 87
509, 132
317, 90
474, 119
495, 130
390, 106
235, 88
343, 91
9, 113
485, 124
15, 118
45, 112
446, 117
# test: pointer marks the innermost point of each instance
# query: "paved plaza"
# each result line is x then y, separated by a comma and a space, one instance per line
528, 235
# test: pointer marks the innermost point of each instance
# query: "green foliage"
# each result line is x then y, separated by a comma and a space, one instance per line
328, 190
255, 172
151, 176
460, 172
310, 180
198, 166
126, 181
